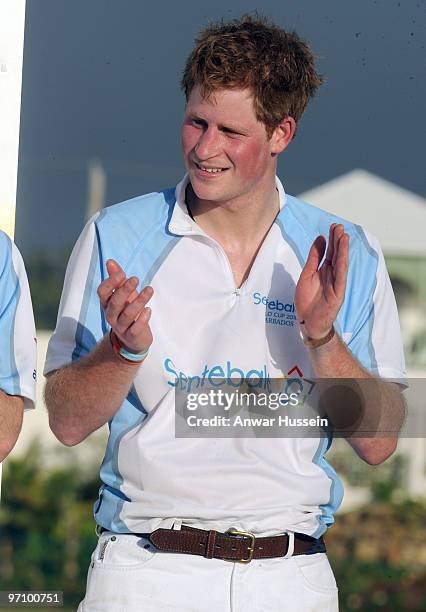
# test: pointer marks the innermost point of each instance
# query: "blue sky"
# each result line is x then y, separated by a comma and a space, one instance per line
101, 80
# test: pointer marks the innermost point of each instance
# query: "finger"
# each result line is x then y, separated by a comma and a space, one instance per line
315, 255
133, 310
139, 333
341, 268
330, 245
109, 286
113, 267
140, 302
132, 296
119, 300
116, 279
338, 232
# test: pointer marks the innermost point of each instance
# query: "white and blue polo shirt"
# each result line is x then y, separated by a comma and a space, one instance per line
203, 323
17, 330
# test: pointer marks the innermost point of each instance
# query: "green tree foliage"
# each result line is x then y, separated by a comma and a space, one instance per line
46, 277
386, 481
378, 554
46, 527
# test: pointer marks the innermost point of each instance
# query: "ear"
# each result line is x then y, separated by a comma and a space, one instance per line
283, 135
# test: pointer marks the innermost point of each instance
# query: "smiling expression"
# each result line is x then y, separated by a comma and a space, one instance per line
226, 149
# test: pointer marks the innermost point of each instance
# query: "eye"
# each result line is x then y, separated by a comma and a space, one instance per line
230, 132
198, 122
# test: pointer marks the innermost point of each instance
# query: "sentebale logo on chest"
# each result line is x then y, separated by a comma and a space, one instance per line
276, 311
217, 375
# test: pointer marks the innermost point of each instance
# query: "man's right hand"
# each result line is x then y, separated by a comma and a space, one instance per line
75, 395
125, 309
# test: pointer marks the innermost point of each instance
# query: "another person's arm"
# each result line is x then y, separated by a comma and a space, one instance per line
17, 345
11, 411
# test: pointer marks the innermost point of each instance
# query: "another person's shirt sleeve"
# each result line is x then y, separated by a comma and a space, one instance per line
369, 316
18, 352
80, 324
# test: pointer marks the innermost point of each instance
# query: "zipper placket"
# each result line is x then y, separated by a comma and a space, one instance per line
235, 290
103, 549
197, 232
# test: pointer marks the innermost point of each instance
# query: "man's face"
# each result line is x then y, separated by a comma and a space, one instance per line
226, 149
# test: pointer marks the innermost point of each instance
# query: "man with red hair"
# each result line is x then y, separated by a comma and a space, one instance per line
241, 282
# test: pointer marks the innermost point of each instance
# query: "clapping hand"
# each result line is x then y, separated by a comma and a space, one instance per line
320, 291
125, 309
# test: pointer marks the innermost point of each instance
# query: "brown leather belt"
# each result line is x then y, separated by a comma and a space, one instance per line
234, 545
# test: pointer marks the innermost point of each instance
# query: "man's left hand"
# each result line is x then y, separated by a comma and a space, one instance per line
320, 291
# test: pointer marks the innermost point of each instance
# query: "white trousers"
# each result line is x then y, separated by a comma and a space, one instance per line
126, 577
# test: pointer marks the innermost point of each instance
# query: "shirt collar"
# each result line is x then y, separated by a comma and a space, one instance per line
181, 222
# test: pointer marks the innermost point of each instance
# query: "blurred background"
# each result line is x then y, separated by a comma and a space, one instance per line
100, 116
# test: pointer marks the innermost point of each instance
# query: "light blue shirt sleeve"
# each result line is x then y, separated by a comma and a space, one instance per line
369, 317
17, 329
80, 324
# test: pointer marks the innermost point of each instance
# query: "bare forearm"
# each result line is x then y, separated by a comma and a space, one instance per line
85, 395
377, 406
11, 410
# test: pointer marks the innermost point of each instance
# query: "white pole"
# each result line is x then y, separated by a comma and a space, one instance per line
12, 22
96, 188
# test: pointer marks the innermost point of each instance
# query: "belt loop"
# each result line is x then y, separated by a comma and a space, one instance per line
290, 549
211, 540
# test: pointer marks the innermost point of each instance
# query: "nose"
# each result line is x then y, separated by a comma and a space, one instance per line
208, 144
